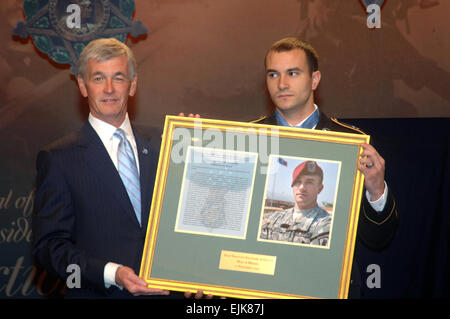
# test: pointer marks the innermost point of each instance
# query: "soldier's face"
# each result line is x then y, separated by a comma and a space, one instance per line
289, 81
306, 189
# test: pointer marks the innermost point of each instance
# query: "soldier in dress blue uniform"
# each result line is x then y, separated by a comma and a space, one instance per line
292, 76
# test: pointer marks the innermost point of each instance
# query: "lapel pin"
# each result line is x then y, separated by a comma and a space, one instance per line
145, 151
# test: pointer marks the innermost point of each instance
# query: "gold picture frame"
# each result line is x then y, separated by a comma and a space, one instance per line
187, 251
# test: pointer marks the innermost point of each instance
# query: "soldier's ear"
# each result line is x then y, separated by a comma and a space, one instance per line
316, 76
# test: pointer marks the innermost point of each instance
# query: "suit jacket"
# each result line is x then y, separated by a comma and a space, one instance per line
375, 229
82, 213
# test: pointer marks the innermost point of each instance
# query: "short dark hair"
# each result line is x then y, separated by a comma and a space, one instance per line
292, 43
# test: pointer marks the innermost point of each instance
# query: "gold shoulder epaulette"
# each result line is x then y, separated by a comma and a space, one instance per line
259, 119
351, 127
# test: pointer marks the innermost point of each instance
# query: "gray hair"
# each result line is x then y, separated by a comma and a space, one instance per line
103, 50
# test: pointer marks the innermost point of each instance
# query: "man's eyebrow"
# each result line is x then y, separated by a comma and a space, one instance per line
97, 73
308, 178
288, 70
115, 74
121, 74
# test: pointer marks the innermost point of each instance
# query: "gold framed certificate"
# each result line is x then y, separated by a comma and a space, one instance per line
253, 211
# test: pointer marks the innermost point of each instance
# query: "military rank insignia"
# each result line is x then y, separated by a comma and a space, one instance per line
311, 166
62, 28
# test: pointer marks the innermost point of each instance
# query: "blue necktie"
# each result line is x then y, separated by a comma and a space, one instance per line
128, 172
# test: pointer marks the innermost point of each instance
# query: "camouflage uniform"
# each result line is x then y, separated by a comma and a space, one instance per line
312, 226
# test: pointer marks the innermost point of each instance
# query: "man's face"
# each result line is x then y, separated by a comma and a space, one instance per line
289, 81
107, 88
306, 189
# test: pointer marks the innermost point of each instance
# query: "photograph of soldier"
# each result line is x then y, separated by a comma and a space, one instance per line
305, 222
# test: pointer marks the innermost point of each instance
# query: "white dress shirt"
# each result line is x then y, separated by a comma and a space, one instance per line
106, 133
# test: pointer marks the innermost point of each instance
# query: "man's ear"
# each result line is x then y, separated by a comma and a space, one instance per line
320, 188
133, 86
316, 76
82, 86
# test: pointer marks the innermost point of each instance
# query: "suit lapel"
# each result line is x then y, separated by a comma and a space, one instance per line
147, 166
271, 119
324, 122
100, 162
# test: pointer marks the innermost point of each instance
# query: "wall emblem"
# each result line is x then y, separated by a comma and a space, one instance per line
62, 28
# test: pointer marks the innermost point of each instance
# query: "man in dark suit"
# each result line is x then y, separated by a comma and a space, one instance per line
292, 76
94, 187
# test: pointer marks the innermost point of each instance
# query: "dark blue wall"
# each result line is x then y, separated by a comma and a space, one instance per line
417, 154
